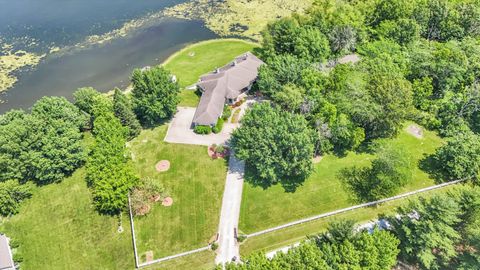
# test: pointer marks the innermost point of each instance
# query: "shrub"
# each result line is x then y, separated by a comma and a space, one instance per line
214, 246
146, 193
219, 149
202, 129
17, 257
241, 238
238, 103
12, 194
227, 112
218, 127
236, 116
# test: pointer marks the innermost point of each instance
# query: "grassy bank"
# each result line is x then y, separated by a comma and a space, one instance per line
195, 60
194, 181
323, 191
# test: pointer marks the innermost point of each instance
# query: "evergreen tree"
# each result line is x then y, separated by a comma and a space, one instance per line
123, 111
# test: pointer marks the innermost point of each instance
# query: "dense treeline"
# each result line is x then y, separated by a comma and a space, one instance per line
419, 60
340, 247
47, 144
441, 232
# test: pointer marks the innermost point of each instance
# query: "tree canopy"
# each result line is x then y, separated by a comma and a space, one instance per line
123, 110
154, 95
345, 249
276, 145
43, 146
109, 171
391, 170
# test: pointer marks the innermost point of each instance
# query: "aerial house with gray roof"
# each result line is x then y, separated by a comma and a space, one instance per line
225, 85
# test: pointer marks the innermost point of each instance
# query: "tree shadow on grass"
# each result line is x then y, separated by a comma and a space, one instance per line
430, 165
252, 177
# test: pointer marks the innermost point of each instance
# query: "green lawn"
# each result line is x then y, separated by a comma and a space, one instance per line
194, 181
195, 60
199, 261
59, 229
282, 238
322, 191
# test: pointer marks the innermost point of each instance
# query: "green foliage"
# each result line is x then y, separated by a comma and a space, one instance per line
391, 170
403, 31
12, 193
85, 99
227, 112
277, 145
352, 250
204, 130
426, 229
123, 111
311, 45
290, 97
154, 95
345, 136
143, 196
280, 71
218, 126
392, 99
109, 172
459, 158
279, 38
58, 109
43, 146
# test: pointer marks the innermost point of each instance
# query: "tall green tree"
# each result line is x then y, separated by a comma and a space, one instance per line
154, 95
123, 111
460, 157
427, 231
391, 170
109, 171
360, 250
276, 145
43, 146
280, 71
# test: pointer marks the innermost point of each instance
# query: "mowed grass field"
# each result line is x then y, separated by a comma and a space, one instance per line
323, 191
58, 228
194, 181
198, 59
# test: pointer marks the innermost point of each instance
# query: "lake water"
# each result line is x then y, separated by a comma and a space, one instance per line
39, 25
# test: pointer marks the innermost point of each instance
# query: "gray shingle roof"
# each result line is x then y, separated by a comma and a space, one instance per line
229, 82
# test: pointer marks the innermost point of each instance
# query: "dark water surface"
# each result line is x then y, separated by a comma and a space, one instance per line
100, 66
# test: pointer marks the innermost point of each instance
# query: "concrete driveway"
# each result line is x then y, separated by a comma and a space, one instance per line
180, 131
230, 213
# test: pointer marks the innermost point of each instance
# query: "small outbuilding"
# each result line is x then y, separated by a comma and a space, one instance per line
227, 84
6, 258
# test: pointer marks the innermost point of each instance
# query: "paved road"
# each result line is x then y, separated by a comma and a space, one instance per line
230, 213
